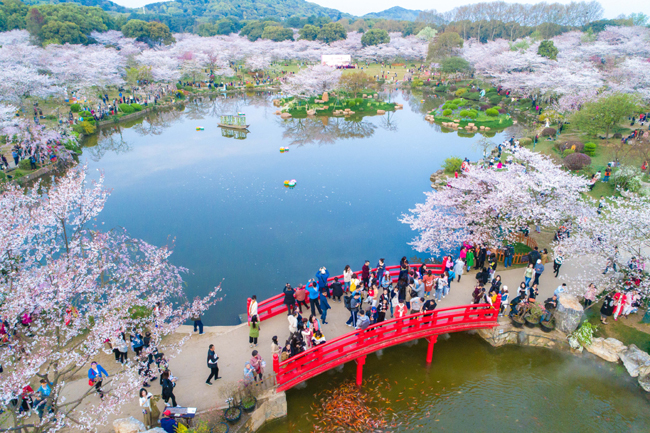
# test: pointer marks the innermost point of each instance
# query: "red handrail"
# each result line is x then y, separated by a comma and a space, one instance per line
273, 306
359, 343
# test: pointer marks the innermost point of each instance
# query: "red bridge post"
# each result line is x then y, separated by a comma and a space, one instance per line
276, 364
360, 361
432, 340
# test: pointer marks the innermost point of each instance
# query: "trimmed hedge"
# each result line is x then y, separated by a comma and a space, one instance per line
577, 161
460, 92
446, 112
568, 152
126, 108
492, 112
590, 149
75, 108
473, 114
464, 113
137, 107
459, 101
494, 100
547, 132
473, 96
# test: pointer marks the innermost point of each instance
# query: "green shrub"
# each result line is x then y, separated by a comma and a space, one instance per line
524, 101
452, 164
568, 152
460, 92
24, 164
188, 89
459, 101
590, 149
576, 161
494, 100
85, 114
627, 177
525, 141
441, 89
137, 107
179, 86
473, 114
452, 107
492, 112
126, 108
446, 112
87, 128
75, 108
473, 96
464, 113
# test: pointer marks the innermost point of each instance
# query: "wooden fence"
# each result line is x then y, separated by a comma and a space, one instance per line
519, 258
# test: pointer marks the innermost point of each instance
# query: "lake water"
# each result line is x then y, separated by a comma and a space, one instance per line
473, 387
222, 200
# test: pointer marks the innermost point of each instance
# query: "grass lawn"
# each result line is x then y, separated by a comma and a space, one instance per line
629, 331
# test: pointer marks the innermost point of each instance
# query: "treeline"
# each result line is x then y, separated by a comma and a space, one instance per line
72, 23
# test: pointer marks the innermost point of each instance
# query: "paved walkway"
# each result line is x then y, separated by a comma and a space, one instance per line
232, 346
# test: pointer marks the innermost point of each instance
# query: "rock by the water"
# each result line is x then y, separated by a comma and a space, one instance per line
129, 425
608, 349
635, 360
644, 378
568, 314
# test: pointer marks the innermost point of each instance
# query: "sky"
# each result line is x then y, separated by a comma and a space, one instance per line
613, 8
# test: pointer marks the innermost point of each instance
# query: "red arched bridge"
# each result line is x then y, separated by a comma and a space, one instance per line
356, 345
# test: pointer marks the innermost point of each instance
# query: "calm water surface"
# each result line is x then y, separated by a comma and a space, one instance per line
473, 387
223, 204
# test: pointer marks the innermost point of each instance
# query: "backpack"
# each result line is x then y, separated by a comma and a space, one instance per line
347, 302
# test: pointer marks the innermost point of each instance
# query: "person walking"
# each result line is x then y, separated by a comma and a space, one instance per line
347, 277
289, 298
337, 289
321, 278
312, 287
150, 411
459, 267
504, 300
258, 365
168, 388
300, 295
429, 281
252, 308
212, 365
539, 269
253, 332
355, 304
324, 305
198, 323
470, 260
508, 252
365, 274
96, 374
557, 263
381, 268
529, 273
293, 321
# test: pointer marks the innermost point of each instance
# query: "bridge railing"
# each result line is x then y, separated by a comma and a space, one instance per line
357, 344
273, 306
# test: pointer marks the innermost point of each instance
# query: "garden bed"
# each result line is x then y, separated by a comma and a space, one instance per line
360, 106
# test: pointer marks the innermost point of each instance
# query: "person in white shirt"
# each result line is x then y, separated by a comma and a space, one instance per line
416, 305
293, 322
252, 308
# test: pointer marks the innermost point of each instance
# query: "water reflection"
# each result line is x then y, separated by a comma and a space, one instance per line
237, 134
324, 130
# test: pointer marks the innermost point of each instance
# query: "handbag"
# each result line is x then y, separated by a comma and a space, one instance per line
91, 382
394, 302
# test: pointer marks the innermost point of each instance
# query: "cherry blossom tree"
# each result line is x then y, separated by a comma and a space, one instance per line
618, 234
312, 80
67, 288
487, 205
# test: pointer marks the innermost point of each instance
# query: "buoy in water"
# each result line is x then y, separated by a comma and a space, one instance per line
282, 150
200, 128
286, 149
292, 183
286, 183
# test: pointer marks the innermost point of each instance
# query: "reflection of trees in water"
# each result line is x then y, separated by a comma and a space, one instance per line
388, 121
230, 104
109, 140
324, 130
157, 123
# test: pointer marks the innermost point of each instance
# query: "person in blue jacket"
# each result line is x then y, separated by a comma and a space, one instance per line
324, 305
168, 423
95, 375
321, 278
312, 288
